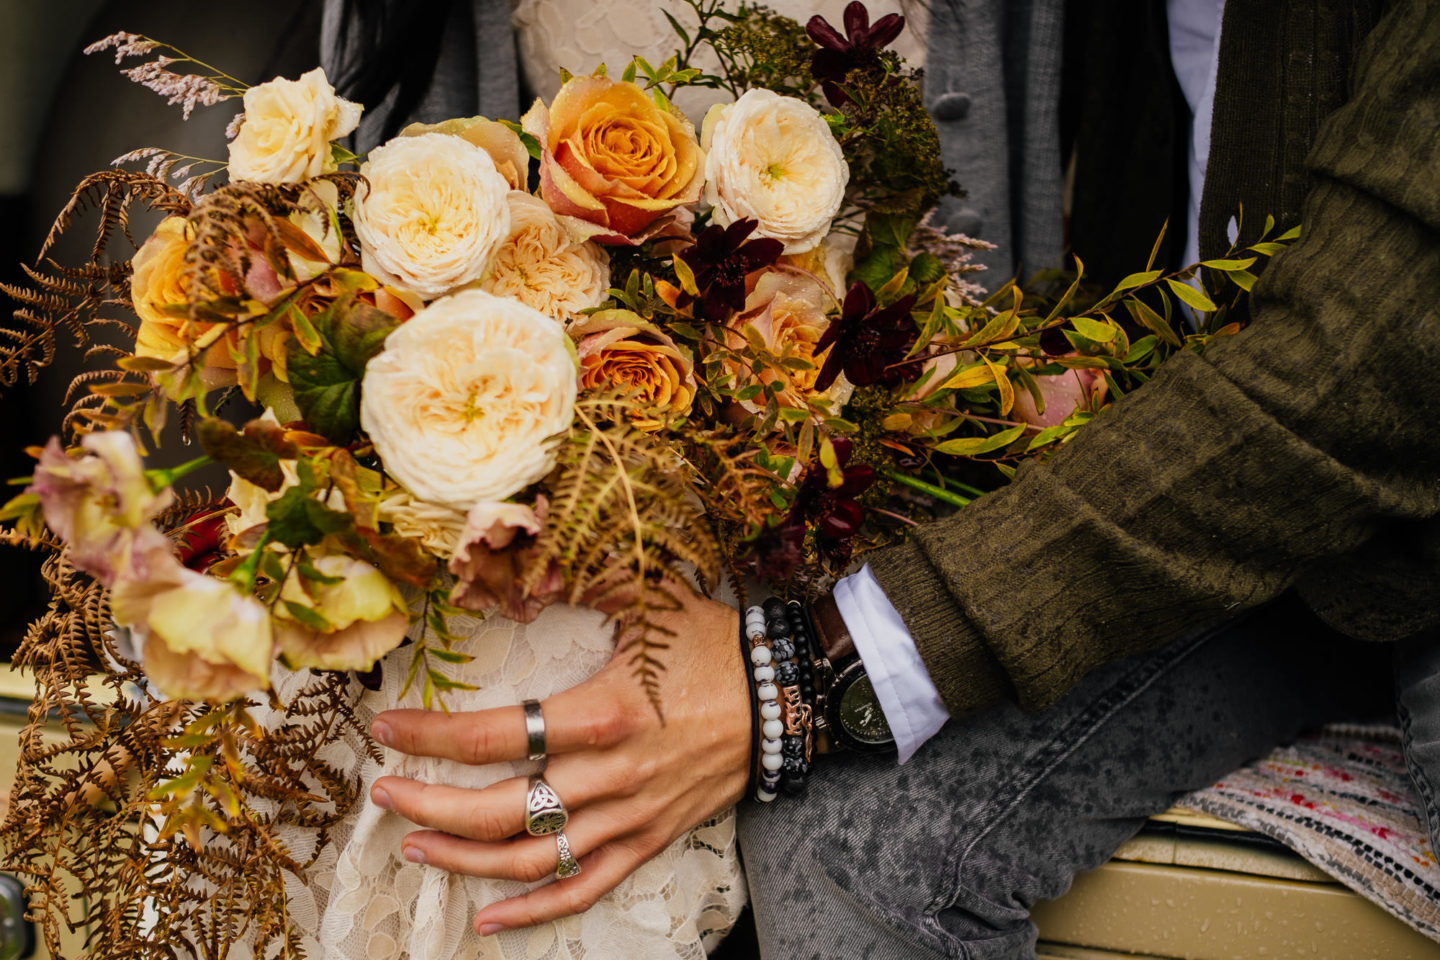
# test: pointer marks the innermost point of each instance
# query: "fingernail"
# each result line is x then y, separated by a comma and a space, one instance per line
489, 929
380, 730
381, 799
414, 854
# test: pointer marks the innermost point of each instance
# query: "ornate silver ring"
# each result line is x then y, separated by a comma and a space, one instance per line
568, 866
544, 813
534, 730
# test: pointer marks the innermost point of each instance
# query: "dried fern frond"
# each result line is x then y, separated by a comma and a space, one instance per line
71, 298
103, 821
625, 528
213, 258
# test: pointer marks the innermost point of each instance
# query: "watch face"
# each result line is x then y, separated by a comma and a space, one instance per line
860, 716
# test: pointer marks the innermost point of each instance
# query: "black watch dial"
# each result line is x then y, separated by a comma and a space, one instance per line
855, 712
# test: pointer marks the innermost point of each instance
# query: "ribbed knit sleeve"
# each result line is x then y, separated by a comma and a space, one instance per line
1217, 485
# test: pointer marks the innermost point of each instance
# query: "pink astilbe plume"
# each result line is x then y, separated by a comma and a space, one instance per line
124, 44
185, 90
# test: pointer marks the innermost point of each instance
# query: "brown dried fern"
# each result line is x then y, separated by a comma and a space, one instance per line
71, 298
625, 529
97, 759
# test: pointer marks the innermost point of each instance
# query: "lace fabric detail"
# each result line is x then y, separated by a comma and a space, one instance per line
362, 900
579, 35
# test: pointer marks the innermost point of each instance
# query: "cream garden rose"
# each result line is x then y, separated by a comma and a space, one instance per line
288, 127
434, 213
434, 527
156, 284
463, 398
774, 159
540, 265
504, 146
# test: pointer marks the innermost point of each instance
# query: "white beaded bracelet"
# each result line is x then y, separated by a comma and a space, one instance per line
767, 695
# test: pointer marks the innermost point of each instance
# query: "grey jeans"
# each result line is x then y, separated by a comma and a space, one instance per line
944, 856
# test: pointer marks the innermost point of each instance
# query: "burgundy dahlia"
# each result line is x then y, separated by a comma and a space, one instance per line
858, 48
721, 258
869, 345
835, 512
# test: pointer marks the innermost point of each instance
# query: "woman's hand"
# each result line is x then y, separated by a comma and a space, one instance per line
630, 784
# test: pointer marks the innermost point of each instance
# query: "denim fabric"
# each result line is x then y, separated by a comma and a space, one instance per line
944, 856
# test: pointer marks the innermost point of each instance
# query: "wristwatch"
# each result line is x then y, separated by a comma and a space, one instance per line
848, 713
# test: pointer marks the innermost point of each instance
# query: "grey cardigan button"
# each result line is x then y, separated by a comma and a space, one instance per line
951, 106
966, 220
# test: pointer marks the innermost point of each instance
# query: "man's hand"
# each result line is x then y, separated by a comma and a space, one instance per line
631, 785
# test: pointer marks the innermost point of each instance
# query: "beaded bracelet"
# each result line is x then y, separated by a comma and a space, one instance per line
797, 773
767, 705
754, 778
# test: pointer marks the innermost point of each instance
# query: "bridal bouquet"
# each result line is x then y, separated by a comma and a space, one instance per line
594, 356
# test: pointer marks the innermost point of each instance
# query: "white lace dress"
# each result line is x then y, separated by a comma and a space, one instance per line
363, 900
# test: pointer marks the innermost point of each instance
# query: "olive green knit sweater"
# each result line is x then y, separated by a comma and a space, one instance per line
1302, 453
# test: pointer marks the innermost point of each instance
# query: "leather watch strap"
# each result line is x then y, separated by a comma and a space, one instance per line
834, 636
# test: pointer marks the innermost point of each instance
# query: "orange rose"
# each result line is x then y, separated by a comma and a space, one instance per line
613, 157
620, 351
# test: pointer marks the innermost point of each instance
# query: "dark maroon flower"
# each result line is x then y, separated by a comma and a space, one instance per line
868, 344
859, 47
721, 258
835, 512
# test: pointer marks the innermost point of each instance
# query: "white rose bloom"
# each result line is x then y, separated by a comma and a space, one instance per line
774, 159
540, 264
462, 400
433, 215
288, 127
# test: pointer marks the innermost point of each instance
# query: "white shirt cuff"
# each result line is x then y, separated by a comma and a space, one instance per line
907, 695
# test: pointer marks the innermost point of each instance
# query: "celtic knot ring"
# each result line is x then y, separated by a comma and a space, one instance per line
568, 866
544, 813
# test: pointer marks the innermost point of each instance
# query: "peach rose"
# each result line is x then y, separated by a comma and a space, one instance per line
511, 158
1064, 393
613, 157
156, 287
618, 350
789, 308
542, 266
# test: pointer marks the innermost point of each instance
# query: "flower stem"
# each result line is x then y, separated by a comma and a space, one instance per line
939, 493
162, 478
244, 575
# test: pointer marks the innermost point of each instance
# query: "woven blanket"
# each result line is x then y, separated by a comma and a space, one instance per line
1343, 800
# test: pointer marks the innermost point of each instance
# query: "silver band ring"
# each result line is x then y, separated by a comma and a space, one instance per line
534, 730
544, 813
568, 866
